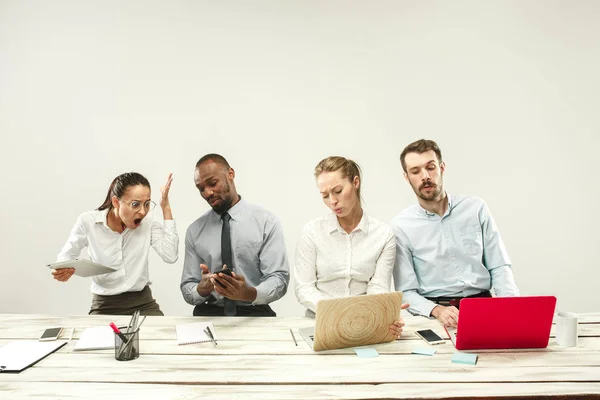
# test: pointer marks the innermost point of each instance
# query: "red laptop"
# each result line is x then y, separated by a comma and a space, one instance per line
503, 323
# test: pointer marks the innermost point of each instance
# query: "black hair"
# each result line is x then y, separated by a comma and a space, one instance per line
120, 184
217, 158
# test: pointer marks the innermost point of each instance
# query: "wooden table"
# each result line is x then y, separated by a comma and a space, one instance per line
256, 359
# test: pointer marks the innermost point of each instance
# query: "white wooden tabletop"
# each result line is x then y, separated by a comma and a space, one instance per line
256, 358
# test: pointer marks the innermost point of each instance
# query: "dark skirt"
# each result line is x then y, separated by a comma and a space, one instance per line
126, 303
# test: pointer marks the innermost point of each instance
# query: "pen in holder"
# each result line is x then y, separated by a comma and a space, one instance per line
127, 345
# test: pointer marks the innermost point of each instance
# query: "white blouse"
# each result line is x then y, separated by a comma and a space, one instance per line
331, 263
127, 251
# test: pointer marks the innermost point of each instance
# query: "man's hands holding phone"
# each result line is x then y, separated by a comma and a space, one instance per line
231, 285
224, 271
205, 286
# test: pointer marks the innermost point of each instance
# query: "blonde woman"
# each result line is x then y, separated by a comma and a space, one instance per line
346, 253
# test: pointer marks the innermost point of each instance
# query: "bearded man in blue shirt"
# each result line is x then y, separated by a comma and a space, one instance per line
447, 245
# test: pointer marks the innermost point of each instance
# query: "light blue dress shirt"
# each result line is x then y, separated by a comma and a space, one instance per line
457, 255
258, 249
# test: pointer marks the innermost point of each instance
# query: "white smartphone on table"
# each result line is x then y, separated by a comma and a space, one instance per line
430, 336
50, 334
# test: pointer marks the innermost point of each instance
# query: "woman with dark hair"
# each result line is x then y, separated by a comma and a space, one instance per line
119, 234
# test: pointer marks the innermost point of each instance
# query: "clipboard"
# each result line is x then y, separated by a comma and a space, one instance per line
84, 268
18, 355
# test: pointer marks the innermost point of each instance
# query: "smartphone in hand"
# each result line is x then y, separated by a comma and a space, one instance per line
225, 271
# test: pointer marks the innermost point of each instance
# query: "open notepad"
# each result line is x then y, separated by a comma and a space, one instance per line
96, 338
193, 332
18, 355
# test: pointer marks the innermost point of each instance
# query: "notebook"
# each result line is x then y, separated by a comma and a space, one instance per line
194, 332
96, 338
19, 355
353, 321
503, 323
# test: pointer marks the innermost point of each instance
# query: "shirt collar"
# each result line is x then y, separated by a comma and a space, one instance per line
101, 216
236, 210
426, 213
333, 224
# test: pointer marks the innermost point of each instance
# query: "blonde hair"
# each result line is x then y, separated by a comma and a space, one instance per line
347, 167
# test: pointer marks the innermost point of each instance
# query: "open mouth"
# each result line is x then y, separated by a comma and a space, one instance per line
137, 221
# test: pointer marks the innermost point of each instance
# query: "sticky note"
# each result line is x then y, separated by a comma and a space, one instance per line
366, 352
464, 358
424, 351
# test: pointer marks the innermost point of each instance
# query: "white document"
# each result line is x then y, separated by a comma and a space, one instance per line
83, 267
194, 332
96, 338
20, 354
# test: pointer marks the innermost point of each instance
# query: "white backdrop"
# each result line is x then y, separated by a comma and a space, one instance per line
509, 89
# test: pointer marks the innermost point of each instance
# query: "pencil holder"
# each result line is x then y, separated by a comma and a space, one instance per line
127, 345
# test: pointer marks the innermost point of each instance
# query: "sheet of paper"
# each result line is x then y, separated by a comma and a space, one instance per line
366, 352
96, 338
424, 351
464, 358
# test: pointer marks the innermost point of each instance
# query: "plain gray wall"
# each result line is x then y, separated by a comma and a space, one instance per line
509, 89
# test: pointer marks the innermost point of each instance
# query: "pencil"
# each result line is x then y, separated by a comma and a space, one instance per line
293, 337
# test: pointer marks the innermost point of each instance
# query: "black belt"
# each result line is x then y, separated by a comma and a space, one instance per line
455, 301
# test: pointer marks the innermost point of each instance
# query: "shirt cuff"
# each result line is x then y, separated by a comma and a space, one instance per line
261, 296
169, 224
423, 309
196, 298
428, 308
